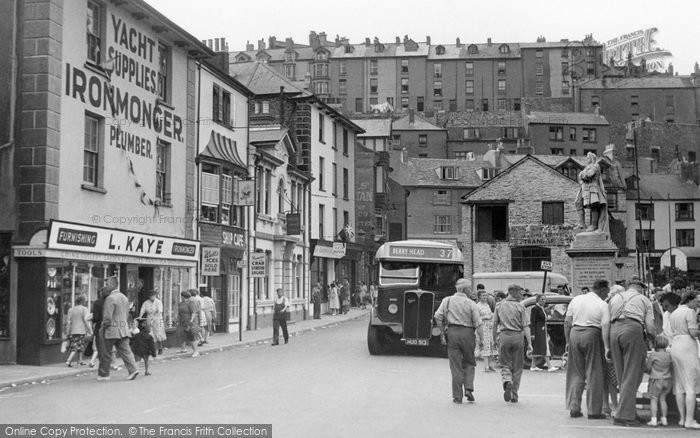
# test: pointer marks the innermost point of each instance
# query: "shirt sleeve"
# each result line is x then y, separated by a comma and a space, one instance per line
570, 310
691, 320
440, 312
524, 316
605, 318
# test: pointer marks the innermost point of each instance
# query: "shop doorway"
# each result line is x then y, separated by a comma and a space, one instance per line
145, 283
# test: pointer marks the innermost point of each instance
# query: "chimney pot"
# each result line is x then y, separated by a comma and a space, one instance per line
367, 41
427, 40
398, 41
459, 43
488, 41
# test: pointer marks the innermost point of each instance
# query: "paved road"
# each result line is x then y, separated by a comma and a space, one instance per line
323, 384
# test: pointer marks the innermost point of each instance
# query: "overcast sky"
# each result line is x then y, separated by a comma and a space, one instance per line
678, 21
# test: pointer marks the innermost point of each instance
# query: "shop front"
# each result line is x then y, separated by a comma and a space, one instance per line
223, 249
325, 256
70, 260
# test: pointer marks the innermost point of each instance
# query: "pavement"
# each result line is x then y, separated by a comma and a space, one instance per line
18, 375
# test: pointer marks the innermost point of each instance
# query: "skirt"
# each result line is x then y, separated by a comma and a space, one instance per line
489, 348
686, 367
76, 343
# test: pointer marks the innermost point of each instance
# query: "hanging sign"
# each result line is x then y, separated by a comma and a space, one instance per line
211, 261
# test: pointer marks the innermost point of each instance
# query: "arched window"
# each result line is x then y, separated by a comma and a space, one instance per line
321, 55
440, 50
504, 49
473, 49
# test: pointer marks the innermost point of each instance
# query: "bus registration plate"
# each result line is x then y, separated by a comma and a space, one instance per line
419, 342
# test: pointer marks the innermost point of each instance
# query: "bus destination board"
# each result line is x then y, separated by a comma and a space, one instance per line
421, 253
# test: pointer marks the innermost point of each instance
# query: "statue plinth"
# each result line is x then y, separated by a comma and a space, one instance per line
592, 257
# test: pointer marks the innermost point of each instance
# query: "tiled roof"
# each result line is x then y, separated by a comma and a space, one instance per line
643, 82
424, 172
374, 127
568, 118
662, 186
419, 124
480, 119
262, 79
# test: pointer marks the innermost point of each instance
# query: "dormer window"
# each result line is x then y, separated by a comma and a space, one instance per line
262, 58
321, 56
504, 49
440, 50
488, 173
349, 48
289, 57
448, 172
473, 49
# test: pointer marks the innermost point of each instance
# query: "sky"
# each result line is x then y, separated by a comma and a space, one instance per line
513, 21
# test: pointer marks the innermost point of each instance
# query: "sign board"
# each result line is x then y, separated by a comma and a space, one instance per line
211, 261
421, 253
258, 264
293, 223
339, 249
86, 238
327, 252
546, 265
245, 195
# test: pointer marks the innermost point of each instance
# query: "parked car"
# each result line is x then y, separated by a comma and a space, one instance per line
555, 308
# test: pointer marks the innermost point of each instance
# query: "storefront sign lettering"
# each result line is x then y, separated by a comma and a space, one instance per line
541, 235
233, 239
258, 264
211, 259
77, 237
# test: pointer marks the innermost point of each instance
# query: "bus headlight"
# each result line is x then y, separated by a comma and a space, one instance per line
393, 308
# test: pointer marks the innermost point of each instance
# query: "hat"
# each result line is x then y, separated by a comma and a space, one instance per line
636, 280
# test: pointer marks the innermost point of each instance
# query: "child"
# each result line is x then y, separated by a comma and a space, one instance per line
142, 343
660, 379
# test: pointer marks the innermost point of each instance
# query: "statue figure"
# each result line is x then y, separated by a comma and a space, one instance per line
592, 196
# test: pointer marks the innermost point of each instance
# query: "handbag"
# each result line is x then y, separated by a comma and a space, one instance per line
64, 346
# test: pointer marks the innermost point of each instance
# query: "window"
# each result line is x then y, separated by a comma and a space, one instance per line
94, 32
437, 105
539, 53
564, 87
565, 68
92, 151
645, 240
552, 213
335, 179
320, 56
491, 223
404, 103
288, 56
501, 104
670, 108
588, 135
516, 104
342, 68
281, 190
440, 50
684, 211
469, 105
420, 103
453, 105
226, 108
504, 49
346, 184
441, 197
484, 104
612, 200
590, 68
556, 133
501, 67
358, 105
321, 128
564, 53
290, 71
469, 68
209, 193
595, 101
423, 140
321, 167
373, 85
216, 106
685, 237
320, 70
404, 85
529, 258
321, 220
593, 151
390, 101
343, 86
345, 142
461, 155
572, 134
437, 70
268, 191
373, 67
404, 66
163, 72
346, 218
473, 49
321, 87
539, 88
449, 172
163, 172
691, 156
373, 101
437, 88
469, 87
557, 151
443, 224
501, 86
655, 153
539, 69
510, 133
470, 133
488, 173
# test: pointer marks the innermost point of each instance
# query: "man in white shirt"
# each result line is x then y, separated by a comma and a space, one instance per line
587, 330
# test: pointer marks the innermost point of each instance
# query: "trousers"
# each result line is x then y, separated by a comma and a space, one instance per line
461, 342
123, 350
585, 370
276, 324
629, 352
511, 353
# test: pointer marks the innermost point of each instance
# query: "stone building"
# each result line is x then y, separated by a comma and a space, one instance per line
418, 137
567, 133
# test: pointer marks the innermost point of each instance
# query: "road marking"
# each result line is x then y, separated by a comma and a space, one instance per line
229, 386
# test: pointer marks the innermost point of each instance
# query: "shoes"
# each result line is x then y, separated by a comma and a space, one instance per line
69, 365
160, 351
575, 414
507, 391
664, 421
457, 401
692, 425
200, 343
133, 375
115, 368
469, 395
513, 398
195, 354
148, 373
652, 422
597, 416
286, 341
102, 378
626, 423
91, 364
275, 343
536, 369
82, 364
553, 369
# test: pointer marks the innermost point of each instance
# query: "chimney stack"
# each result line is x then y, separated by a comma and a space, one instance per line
272, 42
367, 42
261, 44
488, 41
459, 43
398, 41
249, 47
670, 68
427, 40
411, 116
322, 38
403, 155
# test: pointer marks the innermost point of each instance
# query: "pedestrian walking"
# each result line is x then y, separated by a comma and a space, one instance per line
97, 309
188, 327
152, 310
488, 348
684, 353
316, 300
373, 292
538, 328
78, 328
334, 299
345, 296
587, 330
209, 311
659, 364
459, 316
630, 315
280, 317
200, 316
510, 326
115, 331
142, 344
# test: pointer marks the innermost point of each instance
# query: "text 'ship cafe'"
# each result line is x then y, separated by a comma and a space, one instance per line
71, 260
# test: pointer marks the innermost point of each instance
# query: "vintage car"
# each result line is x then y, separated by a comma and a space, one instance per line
555, 308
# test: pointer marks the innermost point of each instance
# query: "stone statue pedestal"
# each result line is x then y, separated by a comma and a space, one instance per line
592, 257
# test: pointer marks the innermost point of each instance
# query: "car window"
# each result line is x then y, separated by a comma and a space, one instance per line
556, 312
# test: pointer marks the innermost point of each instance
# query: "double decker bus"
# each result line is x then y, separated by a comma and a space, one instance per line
414, 277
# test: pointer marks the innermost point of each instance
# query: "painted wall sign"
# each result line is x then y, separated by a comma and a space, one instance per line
364, 193
233, 238
211, 261
78, 237
541, 235
640, 44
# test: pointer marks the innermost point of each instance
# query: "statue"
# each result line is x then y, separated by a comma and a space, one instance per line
592, 196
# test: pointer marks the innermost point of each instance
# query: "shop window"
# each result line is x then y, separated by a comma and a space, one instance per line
552, 213
93, 151
529, 258
94, 32
491, 223
163, 173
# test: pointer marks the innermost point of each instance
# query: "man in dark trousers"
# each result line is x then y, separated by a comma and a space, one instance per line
631, 314
316, 299
510, 325
115, 331
587, 330
460, 316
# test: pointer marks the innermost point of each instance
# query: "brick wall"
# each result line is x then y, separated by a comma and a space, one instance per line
39, 147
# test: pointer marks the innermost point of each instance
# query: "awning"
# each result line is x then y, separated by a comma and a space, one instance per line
222, 148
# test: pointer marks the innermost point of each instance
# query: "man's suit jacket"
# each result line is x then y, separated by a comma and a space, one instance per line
114, 316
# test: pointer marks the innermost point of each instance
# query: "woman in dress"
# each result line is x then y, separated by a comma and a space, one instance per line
538, 327
152, 310
684, 353
488, 349
78, 328
333, 299
186, 328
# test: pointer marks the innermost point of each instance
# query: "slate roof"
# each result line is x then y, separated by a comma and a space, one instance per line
419, 124
272, 135
635, 83
391, 50
569, 118
549, 160
452, 51
423, 172
662, 186
559, 44
374, 127
262, 79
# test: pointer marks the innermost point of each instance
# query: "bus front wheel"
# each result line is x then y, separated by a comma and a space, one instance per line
375, 340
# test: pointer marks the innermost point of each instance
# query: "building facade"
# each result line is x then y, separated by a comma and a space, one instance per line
567, 133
